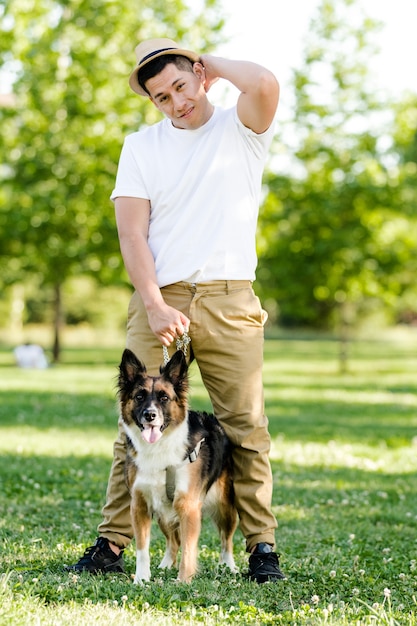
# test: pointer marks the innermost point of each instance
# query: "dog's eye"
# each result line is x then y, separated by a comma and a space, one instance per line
163, 398
140, 396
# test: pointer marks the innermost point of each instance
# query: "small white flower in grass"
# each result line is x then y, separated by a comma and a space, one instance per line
35, 580
355, 591
332, 573
146, 606
124, 599
352, 536
362, 572
75, 578
386, 550
387, 592
402, 576
115, 603
375, 606
315, 599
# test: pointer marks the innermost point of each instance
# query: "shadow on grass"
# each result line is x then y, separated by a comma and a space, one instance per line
296, 419
45, 410
359, 422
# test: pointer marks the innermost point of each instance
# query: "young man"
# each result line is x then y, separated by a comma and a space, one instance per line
187, 198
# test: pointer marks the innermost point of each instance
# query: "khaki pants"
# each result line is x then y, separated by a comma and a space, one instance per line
226, 330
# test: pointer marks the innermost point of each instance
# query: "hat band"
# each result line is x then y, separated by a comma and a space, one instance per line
152, 54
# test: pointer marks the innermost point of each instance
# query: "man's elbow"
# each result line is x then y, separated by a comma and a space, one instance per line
268, 86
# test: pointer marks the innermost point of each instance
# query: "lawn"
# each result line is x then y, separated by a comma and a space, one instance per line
344, 458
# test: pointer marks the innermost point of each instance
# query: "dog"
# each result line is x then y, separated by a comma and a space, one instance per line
178, 466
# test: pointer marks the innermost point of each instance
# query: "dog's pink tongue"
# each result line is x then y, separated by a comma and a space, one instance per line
151, 434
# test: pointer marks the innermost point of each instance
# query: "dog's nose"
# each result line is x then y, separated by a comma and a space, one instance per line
149, 415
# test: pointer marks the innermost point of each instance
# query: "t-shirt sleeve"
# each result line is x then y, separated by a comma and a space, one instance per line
129, 180
258, 144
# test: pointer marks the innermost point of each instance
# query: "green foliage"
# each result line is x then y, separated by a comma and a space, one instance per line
62, 138
344, 465
334, 237
61, 141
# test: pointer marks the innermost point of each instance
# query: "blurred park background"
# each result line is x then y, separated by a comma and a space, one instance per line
337, 238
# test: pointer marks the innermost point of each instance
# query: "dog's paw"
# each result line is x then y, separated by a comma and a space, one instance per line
140, 581
142, 576
228, 560
167, 562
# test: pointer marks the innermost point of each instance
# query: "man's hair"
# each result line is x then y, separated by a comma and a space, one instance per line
156, 66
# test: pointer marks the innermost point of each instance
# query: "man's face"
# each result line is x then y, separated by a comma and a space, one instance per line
180, 96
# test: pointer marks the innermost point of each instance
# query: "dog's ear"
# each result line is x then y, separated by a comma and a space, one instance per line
129, 369
176, 370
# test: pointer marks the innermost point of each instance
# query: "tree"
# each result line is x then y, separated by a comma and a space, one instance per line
61, 141
323, 227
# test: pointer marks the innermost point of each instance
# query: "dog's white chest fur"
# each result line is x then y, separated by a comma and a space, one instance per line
169, 450
153, 460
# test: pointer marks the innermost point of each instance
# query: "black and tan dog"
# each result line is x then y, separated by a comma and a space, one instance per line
178, 466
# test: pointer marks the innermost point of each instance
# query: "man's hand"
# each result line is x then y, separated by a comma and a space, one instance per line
211, 76
167, 324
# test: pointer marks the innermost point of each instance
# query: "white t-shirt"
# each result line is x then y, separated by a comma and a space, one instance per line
204, 189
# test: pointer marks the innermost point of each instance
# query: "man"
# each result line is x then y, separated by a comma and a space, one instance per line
187, 198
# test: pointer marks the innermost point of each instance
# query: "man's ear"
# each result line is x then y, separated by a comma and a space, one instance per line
199, 71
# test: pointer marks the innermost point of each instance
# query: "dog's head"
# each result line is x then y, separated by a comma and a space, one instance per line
153, 403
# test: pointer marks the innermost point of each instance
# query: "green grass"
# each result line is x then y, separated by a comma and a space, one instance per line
344, 459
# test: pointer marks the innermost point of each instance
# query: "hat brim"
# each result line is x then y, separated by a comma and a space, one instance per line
133, 80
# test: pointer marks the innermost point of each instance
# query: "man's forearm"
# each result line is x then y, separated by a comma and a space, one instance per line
140, 266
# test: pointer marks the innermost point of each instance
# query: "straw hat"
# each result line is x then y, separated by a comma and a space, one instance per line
151, 49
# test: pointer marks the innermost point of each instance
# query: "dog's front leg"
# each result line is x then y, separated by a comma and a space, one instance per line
141, 520
189, 513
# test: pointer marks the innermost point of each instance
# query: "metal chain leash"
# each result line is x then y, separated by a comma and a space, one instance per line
181, 343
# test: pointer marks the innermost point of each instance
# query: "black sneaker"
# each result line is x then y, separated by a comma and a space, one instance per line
99, 558
264, 565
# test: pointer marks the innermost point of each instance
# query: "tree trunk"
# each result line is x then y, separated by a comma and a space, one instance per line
56, 350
